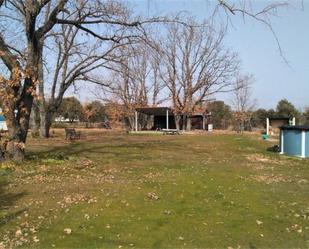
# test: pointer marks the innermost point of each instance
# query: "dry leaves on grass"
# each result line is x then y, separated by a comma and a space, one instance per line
83, 163
153, 196
259, 158
76, 199
268, 179
67, 231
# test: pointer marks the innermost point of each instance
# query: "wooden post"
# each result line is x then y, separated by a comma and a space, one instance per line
136, 125
166, 118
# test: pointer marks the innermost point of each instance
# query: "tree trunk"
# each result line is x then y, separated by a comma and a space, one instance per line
16, 150
18, 125
18, 116
177, 121
184, 119
46, 117
131, 120
43, 118
188, 123
35, 120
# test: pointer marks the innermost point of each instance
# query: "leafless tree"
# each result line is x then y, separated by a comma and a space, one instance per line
195, 66
22, 52
242, 100
77, 61
134, 82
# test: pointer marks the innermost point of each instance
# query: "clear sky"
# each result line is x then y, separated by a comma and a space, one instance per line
257, 48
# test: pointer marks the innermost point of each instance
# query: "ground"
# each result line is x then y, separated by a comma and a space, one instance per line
116, 190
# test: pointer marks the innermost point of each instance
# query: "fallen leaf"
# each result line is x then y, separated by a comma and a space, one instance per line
67, 231
259, 222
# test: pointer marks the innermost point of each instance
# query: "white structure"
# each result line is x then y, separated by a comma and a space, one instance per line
3, 126
267, 126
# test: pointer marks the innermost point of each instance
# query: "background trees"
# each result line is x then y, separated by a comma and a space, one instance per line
286, 109
33, 32
95, 112
30, 24
259, 117
195, 65
242, 101
134, 81
305, 116
71, 109
221, 114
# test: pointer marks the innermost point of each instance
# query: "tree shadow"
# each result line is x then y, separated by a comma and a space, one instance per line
78, 149
7, 202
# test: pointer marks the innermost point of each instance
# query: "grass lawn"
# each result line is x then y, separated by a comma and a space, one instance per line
115, 190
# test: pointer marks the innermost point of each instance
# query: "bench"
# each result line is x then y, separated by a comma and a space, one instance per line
72, 134
170, 132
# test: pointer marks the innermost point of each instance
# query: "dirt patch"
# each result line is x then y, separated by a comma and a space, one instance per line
262, 160
268, 179
257, 158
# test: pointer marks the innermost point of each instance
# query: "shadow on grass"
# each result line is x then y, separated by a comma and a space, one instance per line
86, 149
73, 149
7, 201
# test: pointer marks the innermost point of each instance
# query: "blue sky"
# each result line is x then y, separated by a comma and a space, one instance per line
257, 48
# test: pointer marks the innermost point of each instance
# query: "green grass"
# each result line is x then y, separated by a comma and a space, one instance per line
213, 191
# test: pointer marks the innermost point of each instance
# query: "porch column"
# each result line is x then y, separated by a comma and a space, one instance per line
267, 126
136, 125
303, 144
166, 118
293, 121
281, 142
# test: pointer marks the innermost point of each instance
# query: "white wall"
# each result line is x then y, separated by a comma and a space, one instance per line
3, 126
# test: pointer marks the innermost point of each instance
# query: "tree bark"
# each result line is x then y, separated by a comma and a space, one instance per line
46, 120
44, 133
18, 116
18, 124
177, 121
188, 128
184, 119
35, 120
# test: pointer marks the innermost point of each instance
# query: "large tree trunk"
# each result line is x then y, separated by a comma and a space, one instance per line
184, 119
18, 123
46, 118
177, 121
188, 128
131, 120
19, 109
35, 120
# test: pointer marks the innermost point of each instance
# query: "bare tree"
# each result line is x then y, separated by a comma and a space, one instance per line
135, 81
242, 101
195, 66
77, 61
23, 58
